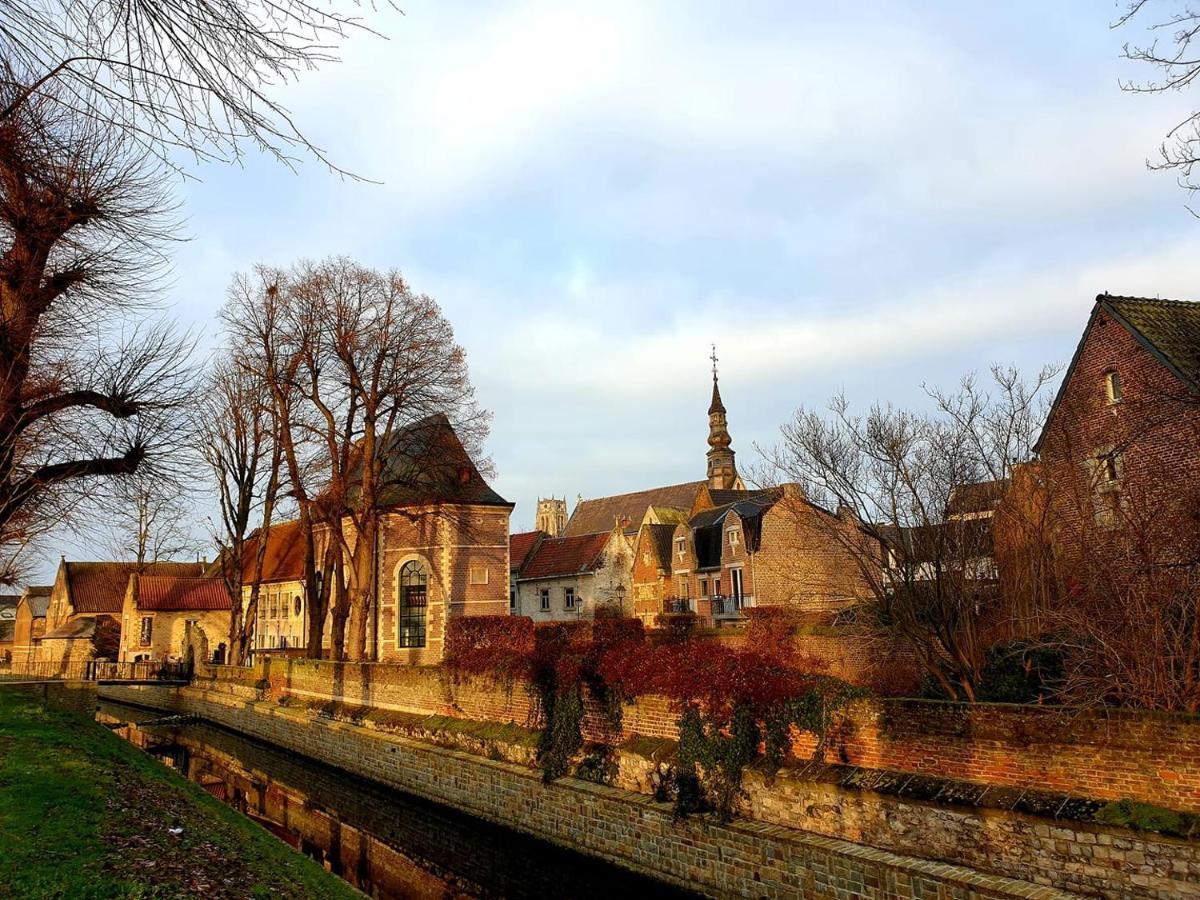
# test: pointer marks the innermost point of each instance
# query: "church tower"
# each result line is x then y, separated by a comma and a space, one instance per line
551, 516
722, 473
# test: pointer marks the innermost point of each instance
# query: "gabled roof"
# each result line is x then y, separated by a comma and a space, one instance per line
169, 593
747, 505
1168, 329
37, 597
426, 463
602, 513
284, 559
559, 557
99, 587
658, 538
520, 546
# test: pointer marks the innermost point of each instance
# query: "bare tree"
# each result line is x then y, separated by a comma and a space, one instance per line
237, 438
85, 397
1178, 65
356, 361
151, 522
929, 572
197, 75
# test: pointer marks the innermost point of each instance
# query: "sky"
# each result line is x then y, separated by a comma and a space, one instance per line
842, 197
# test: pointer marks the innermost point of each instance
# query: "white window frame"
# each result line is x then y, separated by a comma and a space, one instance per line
545, 597
569, 598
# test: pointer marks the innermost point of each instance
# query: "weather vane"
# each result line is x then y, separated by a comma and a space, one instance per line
714, 361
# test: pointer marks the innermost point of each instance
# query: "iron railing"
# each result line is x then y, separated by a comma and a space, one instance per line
730, 606
102, 670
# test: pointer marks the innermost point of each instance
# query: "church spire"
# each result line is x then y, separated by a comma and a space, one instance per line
722, 473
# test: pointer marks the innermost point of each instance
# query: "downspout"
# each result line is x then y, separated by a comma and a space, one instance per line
374, 654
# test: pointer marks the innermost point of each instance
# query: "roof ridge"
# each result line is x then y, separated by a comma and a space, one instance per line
1166, 301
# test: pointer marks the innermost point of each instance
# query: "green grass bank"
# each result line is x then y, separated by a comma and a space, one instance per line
85, 814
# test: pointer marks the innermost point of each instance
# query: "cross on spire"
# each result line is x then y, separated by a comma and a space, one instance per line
714, 361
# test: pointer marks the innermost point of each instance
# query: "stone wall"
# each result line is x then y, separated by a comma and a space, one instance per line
631, 830
73, 696
1105, 755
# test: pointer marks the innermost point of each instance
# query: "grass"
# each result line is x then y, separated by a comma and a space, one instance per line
85, 814
1146, 817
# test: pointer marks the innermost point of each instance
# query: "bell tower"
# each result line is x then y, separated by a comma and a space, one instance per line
722, 472
551, 515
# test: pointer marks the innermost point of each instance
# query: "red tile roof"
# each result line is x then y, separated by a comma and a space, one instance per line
284, 560
520, 546
556, 557
166, 593
99, 587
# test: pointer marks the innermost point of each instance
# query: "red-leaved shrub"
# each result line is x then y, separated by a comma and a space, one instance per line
501, 646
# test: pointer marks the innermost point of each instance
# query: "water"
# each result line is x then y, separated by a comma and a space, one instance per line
383, 842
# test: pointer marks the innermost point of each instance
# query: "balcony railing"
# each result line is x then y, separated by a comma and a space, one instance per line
724, 607
678, 605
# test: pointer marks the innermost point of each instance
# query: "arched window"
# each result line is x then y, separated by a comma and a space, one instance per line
413, 603
1112, 386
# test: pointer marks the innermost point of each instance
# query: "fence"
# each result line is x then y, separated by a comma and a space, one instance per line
104, 670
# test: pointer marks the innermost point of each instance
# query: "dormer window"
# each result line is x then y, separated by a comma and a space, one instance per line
681, 548
735, 538
1112, 387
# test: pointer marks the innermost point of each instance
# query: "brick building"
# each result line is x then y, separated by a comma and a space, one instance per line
280, 618
158, 610
576, 577
1119, 456
83, 614
29, 624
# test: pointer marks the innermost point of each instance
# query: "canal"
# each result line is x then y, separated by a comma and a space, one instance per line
385, 843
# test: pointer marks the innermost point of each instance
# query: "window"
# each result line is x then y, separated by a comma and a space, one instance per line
414, 601
1108, 467
1108, 509
479, 575
147, 630
298, 605
716, 587
735, 538
703, 587
1112, 387
681, 548
512, 597
545, 598
569, 597
735, 576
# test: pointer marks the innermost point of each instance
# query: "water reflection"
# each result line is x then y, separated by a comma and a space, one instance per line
385, 843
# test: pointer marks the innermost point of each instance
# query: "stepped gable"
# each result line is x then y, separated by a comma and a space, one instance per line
599, 515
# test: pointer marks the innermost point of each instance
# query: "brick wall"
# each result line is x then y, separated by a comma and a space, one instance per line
1155, 426
630, 830
1105, 755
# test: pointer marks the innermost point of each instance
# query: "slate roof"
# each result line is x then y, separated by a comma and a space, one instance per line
1171, 328
74, 629
660, 537
980, 497
170, 593
562, 556
426, 463
600, 514
1168, 329
284, 559
520, 546
99, 587
38, 598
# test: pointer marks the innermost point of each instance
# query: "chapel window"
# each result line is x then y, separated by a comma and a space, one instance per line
414, 603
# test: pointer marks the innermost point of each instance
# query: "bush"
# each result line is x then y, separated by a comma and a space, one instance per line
1020, 672
501, 646
677, 626
771, 629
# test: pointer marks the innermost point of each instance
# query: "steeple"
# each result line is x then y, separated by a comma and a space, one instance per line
722, 473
